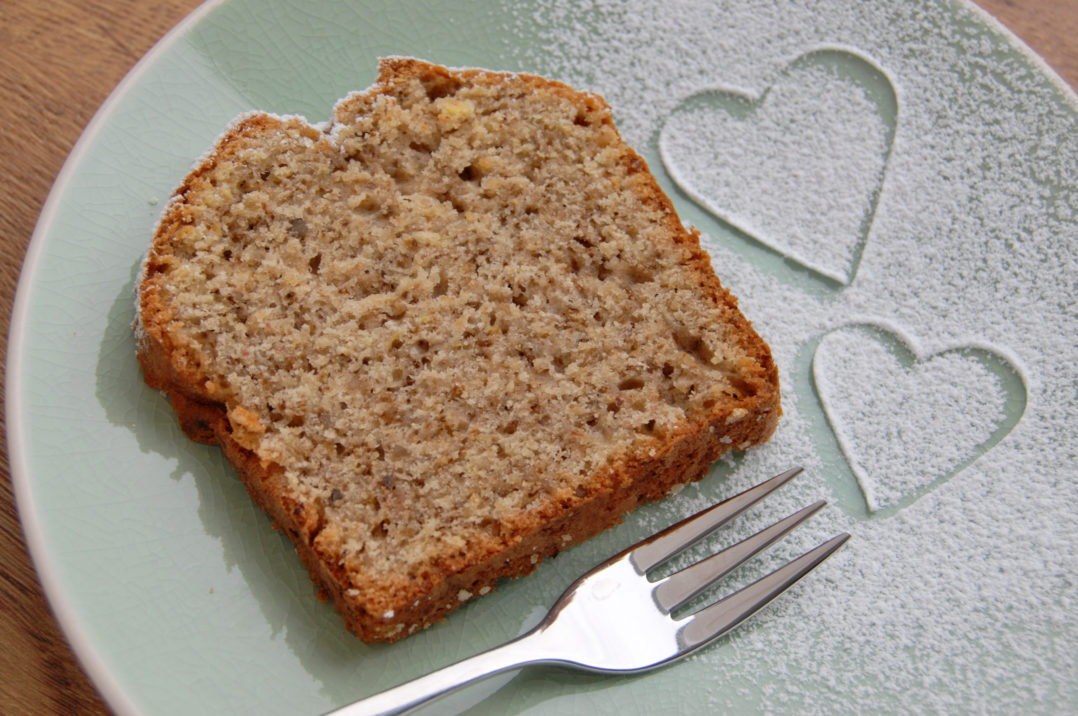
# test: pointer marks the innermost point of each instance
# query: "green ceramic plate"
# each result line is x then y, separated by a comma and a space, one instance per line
941, 272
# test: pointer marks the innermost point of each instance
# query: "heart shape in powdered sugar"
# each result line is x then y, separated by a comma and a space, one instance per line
906, 421
799, 167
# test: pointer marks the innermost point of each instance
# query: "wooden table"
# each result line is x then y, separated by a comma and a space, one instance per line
59, 59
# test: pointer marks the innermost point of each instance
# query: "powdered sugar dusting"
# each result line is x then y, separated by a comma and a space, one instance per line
902, 421
767, 165
958, 589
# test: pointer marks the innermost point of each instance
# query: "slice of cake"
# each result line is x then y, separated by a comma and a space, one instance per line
451, 332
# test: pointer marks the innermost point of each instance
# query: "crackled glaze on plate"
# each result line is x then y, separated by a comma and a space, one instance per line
179, 597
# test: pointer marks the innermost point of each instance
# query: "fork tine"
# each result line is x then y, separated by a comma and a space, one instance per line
675, 539
722, 616
680, 587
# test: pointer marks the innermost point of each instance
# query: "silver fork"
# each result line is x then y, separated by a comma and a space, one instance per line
615, 620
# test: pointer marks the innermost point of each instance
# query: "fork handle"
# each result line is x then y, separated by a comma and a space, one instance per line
527, 649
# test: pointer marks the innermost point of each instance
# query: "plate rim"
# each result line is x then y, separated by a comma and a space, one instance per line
86, 651
1070, 94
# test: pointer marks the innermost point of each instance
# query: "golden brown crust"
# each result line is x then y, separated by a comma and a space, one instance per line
176, 366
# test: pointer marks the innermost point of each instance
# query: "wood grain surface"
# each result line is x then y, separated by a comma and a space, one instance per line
59, 59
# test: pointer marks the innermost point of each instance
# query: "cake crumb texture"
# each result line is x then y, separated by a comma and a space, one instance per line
456, 327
